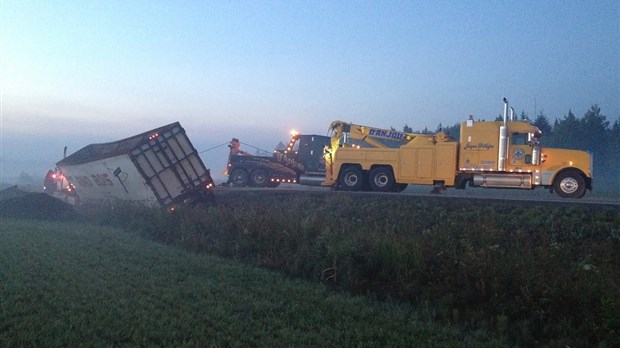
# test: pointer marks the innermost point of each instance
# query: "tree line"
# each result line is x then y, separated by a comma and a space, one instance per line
592, 132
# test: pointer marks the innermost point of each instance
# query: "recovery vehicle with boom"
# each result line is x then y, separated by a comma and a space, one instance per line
499, 154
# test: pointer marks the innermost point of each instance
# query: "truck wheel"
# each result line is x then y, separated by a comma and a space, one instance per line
570, 184
351, 179
239, 177
259, 178
381, 179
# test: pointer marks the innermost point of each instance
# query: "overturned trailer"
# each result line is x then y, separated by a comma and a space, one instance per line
158, 167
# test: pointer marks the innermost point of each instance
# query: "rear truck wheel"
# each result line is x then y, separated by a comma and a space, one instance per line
462, 180
351, 179
381, 179
259, 178
570, 184
239, 177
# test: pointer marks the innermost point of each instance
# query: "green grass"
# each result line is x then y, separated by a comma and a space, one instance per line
73, 284
532, 273
527, 274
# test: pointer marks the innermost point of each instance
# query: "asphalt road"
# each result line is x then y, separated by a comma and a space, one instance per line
477, 193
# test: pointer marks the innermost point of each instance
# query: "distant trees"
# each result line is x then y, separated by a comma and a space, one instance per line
614, 144
590, 133
454, 131
543, 124
594, 129
564, 129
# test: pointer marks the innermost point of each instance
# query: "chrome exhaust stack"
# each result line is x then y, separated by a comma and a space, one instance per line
503, 140
506, 111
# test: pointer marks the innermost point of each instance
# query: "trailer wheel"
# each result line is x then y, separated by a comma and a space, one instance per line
259, 178
570, 184
351, 179
239, 177
381, 179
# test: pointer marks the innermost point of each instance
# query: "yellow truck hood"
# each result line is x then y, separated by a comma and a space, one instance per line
557, 159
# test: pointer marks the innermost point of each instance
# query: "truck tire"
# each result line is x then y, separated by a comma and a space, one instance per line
570, 184
259, 178
381, 179
239, 177
351, 179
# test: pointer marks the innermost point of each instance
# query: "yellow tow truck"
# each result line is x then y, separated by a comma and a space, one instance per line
499, 154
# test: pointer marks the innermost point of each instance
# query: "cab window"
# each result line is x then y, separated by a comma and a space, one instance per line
519, 139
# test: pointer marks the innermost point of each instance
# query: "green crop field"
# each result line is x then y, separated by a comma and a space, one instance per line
73, 284
265, 268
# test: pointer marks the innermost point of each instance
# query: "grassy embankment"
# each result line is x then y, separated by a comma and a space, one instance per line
529, 272
72, 284
532, 274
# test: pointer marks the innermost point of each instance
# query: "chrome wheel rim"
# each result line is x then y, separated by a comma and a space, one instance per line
350, 179
569, 185
381, 180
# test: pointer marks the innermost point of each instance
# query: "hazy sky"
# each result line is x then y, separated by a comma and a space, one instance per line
81, 72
